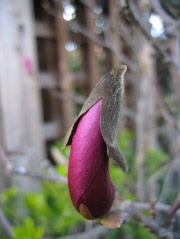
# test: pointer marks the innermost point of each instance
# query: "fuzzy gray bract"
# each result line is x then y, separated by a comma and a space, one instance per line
111, 90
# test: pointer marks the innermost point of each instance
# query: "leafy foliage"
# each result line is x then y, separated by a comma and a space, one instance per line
154, 160
49, 211
133, 230
53, 209
10, 202
28, 230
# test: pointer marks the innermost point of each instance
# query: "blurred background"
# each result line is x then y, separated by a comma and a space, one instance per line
52, 54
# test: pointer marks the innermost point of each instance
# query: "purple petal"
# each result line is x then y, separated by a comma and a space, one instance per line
88, 176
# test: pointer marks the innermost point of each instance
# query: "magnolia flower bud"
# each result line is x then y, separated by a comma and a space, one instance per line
93, 141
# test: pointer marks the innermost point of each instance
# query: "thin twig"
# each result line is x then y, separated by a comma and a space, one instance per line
158, 8
96, 232
120, 30
146, 206
173, 209
139, 22
99, 41
21, 171
6, 164
77, 28
151, 225
158, 207
153, 207
131, 210
81, 99
164, 111
67, 95
140, 159
157, 46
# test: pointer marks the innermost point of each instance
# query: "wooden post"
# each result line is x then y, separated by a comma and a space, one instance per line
65, 75
89, 59
115, 39
145, 112
92, 68
20, 110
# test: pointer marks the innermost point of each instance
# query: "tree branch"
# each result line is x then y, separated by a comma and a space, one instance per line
77, 28
173, 209
164, 111
158, 8
96, 232
139, 21
21, 171
158, 207
151, 225
99, 41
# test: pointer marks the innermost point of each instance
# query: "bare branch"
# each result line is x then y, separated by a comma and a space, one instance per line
151, 225
64, 96
140, 158
164, 111
21, 171
144, 206
152, 181
81, 99
139, 22
131, 210
96, 232
158, 207
153, 207
77, 28
159, 10
173, 209
99, 41
4, 160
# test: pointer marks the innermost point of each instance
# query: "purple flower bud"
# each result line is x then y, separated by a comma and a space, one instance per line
90, 186
93, 141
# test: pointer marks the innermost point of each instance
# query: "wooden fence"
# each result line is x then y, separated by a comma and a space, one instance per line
37, 83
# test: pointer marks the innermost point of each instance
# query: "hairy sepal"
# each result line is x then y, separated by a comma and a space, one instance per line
111, 90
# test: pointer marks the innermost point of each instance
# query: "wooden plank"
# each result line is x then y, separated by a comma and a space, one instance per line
65, 79
145, 109
80, 78
89, 55
47, 80
51, 130
20, 101
115, 39
44, 31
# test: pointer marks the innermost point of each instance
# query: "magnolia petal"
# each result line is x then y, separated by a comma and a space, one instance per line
110, 89
99, 195
88, 152
90, 185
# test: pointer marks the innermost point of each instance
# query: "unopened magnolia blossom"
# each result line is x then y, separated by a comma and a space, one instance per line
93, 142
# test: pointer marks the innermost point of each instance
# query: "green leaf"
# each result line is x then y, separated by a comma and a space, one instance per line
28, 230
63, 170
9, 194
